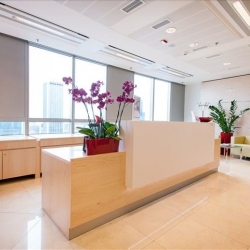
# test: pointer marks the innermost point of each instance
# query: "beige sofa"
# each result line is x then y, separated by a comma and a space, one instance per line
243, 141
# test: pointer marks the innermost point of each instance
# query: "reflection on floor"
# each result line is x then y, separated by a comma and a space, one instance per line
213, 213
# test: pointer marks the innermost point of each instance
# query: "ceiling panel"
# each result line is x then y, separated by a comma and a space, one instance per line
61, 1
77, 5
237, 57
187, 11
204, 21
182, 24
210, 41
103, 8
134, 20
182, 34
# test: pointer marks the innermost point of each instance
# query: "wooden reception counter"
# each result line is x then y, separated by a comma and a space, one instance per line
81, 192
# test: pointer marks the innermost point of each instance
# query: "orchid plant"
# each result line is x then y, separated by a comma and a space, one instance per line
97, 126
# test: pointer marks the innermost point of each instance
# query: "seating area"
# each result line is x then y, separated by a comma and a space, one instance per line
244, 142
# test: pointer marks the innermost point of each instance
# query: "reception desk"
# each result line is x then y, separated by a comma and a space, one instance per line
81, 192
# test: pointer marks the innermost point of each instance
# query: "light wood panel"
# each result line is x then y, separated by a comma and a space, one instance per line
1, 165
19, 162
57, 140
56, 190
84, 190
104, 181
17, 143
104, 190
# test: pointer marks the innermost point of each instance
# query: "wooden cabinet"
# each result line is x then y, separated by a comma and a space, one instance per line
1, 166
54, 140
18, 156
18, 162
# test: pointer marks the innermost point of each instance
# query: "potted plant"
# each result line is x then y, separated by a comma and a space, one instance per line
101, 132
226, 121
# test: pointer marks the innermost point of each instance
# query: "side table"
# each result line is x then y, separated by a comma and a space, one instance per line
227, 146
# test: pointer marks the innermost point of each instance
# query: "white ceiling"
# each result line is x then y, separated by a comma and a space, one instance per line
109, 30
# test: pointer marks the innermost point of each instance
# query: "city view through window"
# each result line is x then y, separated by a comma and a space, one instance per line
51, 110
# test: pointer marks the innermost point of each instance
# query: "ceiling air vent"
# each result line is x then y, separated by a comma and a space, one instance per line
209, 57
132, 6
237, 67
200, 48
174, 72
162, 23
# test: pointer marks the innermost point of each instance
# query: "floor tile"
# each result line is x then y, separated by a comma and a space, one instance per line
33, 185
113, 235
185, 201
225, 221
214, 210
242, 189
237, 168
14, 226
153, 246
191, 235
11, 185
37, 196
151, 218
19, 202
235, 201
45, 235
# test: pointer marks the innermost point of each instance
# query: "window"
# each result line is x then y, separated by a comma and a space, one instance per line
161, 100
12, 128
144, 91
49, 101
86, 73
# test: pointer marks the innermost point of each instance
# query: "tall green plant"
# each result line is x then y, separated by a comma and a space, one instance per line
226, 122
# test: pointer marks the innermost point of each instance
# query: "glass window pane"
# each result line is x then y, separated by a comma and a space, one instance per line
144, 91
85, 74
80, 124
49, 128
48, 95
161, 100
11, 128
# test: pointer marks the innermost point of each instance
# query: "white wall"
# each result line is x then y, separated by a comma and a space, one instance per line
237, 88
192, 97
234, 88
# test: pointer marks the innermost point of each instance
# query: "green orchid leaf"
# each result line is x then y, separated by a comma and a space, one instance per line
110, 130
108, 125
116, 138
86, 131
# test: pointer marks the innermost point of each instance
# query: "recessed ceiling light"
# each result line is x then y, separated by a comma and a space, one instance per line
242, 12
170, 30
226, 63
193, 44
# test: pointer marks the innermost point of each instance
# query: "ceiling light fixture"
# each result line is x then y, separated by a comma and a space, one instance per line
194, 44
242, 12
36, 25
170, 30
173, 72
226, 63
127, 57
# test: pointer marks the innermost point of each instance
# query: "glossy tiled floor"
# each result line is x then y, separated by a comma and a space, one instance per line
213, 213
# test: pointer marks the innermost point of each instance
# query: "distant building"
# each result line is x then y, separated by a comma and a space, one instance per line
52, 107
11, 128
